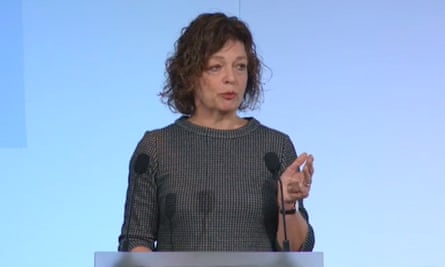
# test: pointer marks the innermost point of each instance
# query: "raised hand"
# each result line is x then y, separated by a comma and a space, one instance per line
297, 183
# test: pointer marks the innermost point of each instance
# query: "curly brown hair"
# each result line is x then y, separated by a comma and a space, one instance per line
203, 37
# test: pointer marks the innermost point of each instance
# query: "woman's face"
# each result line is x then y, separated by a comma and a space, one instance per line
223, 82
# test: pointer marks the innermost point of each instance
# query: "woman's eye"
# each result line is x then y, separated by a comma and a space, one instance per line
214, 68
241, 67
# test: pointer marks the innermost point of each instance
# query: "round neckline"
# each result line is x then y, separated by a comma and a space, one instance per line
247, 128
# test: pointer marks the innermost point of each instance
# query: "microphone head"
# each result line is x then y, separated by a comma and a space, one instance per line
141, 164
272, 162
170, 205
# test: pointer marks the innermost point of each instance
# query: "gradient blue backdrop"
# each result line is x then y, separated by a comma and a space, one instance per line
360, 84
12, 101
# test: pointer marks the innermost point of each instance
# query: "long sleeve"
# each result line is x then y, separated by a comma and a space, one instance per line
288, 156
141, 207
309, 242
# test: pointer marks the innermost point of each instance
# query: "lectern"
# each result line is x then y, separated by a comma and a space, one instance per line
209, 259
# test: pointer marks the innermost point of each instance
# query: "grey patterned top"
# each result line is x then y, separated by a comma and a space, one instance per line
206, 189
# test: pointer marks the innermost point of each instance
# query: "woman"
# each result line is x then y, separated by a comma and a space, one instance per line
202, 183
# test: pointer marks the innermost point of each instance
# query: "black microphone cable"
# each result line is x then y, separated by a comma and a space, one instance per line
170, 210
273, 165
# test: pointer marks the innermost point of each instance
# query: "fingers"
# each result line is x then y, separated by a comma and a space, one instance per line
298, 162
309, 164
308, 170
298, 182
303, 160
296, 191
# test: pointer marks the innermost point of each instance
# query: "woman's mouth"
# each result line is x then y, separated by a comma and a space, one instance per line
229, 95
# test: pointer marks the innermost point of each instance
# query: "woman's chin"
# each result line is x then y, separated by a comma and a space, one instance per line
229, 107
228, 110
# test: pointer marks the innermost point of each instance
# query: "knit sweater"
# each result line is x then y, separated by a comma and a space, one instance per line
206, 189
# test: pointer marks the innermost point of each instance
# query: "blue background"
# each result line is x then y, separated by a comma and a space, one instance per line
12, 102
360, 84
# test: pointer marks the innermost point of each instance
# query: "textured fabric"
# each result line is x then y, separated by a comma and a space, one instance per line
206, 189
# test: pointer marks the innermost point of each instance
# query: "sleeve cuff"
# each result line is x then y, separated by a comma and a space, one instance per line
309, 242
132, 243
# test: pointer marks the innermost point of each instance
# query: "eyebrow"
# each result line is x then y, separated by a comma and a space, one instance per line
223, 58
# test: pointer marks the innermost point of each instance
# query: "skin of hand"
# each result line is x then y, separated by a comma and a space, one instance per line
296, 183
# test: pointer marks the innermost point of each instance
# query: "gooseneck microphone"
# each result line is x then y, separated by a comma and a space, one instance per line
170, 210
140, 167
273, 165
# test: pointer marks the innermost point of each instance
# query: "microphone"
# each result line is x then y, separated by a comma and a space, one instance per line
140, 167
206, 202
273, 165
170, 210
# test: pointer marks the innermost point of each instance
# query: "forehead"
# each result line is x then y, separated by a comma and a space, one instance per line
231, 49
